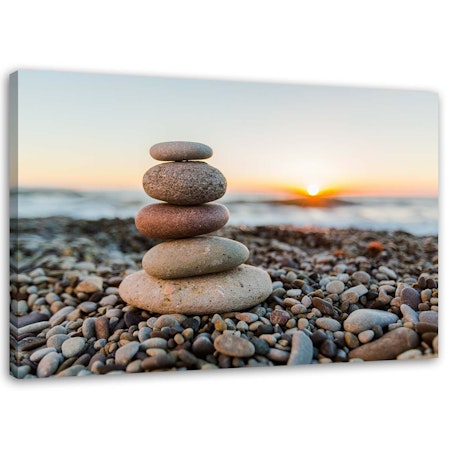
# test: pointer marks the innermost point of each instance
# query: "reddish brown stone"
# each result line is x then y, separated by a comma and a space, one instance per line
389, 346
163, 221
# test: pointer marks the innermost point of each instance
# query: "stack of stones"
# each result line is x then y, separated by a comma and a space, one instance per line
189, 273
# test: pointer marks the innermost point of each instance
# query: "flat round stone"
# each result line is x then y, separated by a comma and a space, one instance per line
180, 151
184, 183
234, 346
163, 221
194, 256
235, 290
365, 319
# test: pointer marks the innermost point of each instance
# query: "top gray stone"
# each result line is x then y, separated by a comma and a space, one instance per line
180, 151
365, 319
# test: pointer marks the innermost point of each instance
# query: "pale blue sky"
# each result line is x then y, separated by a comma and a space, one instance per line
85, 131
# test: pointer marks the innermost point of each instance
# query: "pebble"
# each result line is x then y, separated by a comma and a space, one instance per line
234, 290
410, 354
101, 326
234, 346
335, 287
37, 355
387, 271
154, 342
324, 306
429, 317
247, 317
353, 294
201, 255
166, 320
35, 327
365, 319
90, 285
302, 350
409, 315
184, 183
73, 346
126, 353
48, 365
277, 355
410, 297
328, 324
60, 315
361, 277
164, 221
366, 336
88, 327
159, 361
180, 151
56, 341
279, 316
202, 346
388, 346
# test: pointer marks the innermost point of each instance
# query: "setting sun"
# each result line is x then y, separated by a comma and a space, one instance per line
312, 189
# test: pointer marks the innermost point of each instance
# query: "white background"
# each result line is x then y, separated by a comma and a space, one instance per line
349, 43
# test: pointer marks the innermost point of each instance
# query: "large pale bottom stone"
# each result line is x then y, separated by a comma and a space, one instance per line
234, 290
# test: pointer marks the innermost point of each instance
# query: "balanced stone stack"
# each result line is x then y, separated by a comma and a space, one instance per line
189, 273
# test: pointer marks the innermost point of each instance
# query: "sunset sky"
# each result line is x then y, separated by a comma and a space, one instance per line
94, 131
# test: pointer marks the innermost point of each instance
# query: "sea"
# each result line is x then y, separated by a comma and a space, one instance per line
418, 216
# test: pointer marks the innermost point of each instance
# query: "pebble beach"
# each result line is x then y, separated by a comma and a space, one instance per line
338, 296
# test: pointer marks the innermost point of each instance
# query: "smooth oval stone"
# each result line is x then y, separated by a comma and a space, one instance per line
126, 353
73, 346
234, 290
388, 346
365, 319
184, 183
235, 346
48, 364
164, 221
335, 287
180, 151
194, 256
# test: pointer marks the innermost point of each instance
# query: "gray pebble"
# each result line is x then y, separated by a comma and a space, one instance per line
294, 293
126, 353
389, 272
73, 346
48, 364
302, 350
365, 319
166, 320
354, 293
56, 341
88, 328
59, 329
409, 315
328, 324
335, 287
60, 315
154, 342
277, 355
361, 277
37, 355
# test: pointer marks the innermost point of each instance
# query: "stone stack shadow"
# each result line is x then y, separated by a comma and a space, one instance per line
189, 273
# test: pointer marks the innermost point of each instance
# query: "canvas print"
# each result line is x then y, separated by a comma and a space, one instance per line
165, 224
